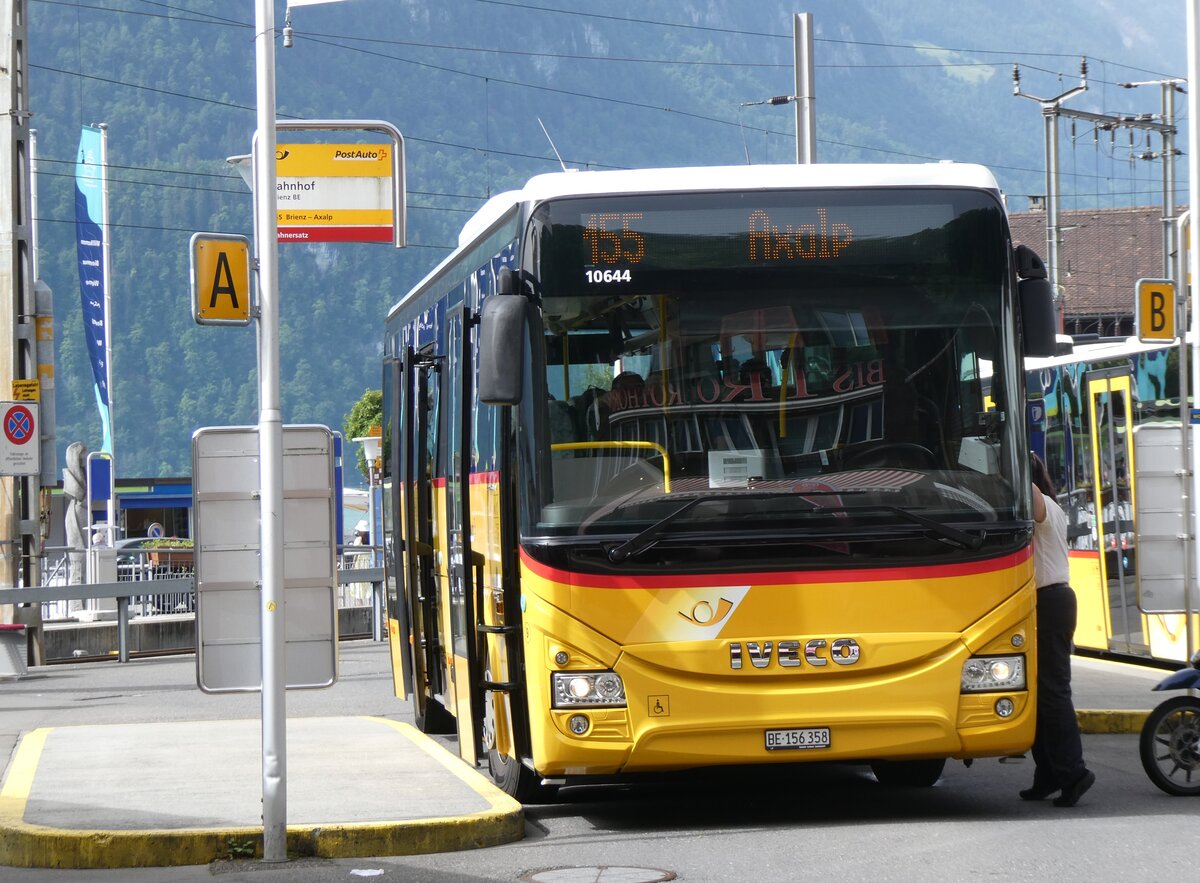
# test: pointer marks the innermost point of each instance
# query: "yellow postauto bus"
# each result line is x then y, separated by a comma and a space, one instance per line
692, 467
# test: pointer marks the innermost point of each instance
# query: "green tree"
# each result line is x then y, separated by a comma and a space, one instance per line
366, 413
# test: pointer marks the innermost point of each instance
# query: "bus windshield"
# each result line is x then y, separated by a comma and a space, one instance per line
775, 362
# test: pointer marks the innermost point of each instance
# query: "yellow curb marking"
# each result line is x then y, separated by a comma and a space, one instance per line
23, 844
19, 781
499, 801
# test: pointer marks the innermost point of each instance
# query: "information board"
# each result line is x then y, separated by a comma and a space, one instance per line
225, 479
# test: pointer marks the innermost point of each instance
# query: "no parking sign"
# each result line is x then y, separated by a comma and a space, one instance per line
19, 445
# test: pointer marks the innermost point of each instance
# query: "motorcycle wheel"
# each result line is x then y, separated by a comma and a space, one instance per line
1170, 746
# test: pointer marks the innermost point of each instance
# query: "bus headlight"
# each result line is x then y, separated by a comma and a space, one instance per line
597, 689
982, 674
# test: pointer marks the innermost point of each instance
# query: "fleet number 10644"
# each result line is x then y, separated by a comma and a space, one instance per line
596, 277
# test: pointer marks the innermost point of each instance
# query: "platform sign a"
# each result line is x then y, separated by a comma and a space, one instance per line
220, 277
1156, 310
20, 447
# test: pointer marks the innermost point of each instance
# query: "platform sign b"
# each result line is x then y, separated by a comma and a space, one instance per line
1156, 310
220, 278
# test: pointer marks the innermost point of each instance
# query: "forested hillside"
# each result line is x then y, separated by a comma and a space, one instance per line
623, 84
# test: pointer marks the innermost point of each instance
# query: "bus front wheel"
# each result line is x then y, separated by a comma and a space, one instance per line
517, 780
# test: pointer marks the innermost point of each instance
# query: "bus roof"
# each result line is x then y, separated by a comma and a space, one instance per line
720, 178
1099, 351
714, 179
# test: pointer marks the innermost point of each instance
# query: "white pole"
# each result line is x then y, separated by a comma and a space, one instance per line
34, 212
1193, 270
270, 449
111, 508
1181, 224
806, 110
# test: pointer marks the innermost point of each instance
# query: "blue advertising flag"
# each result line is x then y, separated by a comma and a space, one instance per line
89, 202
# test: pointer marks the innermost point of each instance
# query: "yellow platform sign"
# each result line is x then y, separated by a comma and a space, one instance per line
220, 279
1156, 310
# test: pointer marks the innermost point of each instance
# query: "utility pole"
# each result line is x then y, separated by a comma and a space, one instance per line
1171, 255
1052, 109
20, 496
806, 110
805, 97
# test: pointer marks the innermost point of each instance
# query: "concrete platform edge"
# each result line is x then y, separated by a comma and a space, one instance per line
1101, 721
34, 846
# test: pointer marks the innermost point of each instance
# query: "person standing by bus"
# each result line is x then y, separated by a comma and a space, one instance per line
1057, 745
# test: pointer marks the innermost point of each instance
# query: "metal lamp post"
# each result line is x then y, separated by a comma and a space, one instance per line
372, 452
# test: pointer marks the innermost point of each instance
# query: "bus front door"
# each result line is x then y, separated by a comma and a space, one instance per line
1111, 423
396, 491
465, 564
422, 448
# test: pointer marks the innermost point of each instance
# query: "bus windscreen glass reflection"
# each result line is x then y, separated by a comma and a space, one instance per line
825, 360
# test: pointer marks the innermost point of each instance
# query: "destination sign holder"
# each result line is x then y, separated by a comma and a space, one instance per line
310, 226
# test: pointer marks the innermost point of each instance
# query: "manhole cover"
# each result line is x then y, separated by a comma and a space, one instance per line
603, 874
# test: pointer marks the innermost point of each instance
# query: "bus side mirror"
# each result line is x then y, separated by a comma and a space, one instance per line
1039, 325
501, 349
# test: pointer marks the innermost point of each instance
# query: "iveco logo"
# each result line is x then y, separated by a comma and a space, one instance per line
793, 654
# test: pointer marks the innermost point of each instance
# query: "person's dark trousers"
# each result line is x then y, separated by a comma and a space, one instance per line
1057, 746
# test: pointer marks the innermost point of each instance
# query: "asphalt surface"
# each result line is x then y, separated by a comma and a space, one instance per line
130, 765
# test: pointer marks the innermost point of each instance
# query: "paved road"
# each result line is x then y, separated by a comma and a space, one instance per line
799, 822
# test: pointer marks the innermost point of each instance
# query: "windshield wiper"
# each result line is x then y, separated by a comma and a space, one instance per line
960, 538
642, 541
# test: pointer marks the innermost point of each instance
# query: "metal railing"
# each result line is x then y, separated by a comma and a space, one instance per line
132, 565
145, 590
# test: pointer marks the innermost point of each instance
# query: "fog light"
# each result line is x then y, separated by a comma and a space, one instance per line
1005, 707
578, 724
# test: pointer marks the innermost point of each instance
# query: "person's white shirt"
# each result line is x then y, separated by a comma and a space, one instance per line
1051, 564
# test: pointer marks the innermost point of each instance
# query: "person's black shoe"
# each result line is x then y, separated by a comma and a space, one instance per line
1071, 794
1038, 791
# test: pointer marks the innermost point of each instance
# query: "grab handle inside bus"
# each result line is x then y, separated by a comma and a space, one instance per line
501, 349
1038, 322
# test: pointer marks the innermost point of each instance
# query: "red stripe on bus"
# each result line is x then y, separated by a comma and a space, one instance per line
764, 578
475, 478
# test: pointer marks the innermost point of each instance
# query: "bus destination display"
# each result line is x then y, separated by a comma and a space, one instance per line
616, 244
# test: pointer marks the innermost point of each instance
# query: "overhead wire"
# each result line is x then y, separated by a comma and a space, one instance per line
219, 20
